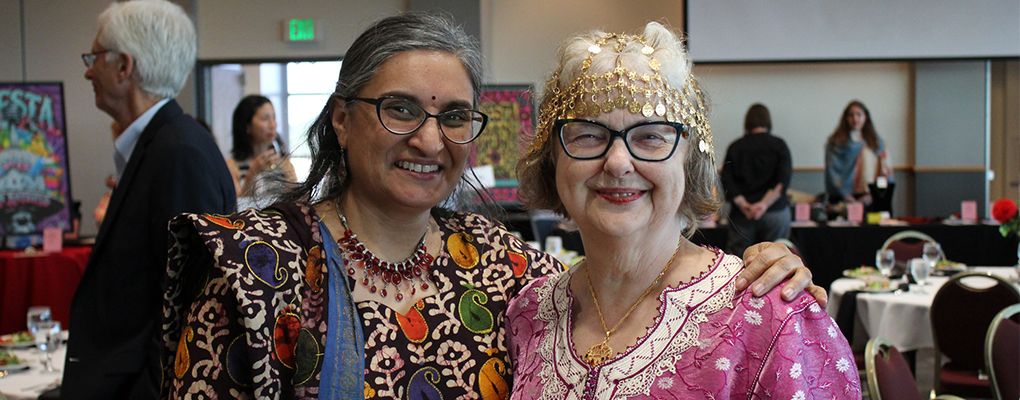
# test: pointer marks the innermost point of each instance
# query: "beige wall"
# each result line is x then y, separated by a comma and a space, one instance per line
251, 29
10, 41
806, 100
520, 37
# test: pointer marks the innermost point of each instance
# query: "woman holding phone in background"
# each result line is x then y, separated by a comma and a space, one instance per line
257, 146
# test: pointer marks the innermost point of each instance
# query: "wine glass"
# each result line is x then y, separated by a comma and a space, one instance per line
932, 253
48, 339
37, 314
884, 260
920, 270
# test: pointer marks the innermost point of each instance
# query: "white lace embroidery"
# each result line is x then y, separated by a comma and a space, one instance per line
659, 352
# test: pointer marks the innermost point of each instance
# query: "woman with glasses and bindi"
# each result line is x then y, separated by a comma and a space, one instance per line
368, 279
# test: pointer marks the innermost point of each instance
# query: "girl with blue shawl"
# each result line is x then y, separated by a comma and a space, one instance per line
855, 157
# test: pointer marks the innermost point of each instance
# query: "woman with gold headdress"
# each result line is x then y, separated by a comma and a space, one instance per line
649, 314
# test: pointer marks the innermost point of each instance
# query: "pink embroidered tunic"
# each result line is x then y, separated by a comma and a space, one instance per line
707, 343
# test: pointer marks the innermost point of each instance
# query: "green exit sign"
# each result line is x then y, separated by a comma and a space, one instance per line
300, 30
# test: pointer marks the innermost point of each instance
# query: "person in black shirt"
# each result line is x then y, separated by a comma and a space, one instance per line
755, 176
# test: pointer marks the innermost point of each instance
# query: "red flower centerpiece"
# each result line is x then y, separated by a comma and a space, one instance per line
1005, 211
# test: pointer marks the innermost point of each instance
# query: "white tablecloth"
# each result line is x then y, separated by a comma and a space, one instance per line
28, 384
900, 318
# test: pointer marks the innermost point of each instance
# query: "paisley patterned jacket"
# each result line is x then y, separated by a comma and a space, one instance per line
245, 310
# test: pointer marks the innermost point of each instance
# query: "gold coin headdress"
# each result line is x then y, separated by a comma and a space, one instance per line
645, 94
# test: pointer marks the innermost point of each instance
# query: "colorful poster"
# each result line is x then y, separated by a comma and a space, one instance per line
34, 183
511, 120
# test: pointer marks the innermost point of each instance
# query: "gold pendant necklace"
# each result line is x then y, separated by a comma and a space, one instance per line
600, 352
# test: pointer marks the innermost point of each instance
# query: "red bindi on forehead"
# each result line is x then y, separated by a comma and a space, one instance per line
433, 97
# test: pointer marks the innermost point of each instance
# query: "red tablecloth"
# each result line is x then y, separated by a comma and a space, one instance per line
38, 279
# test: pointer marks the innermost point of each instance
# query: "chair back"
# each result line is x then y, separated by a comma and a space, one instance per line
909, 244
960, 315
889, 376
1002, 353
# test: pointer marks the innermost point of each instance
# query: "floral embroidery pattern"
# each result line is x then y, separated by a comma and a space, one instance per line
753, 317
795, 371
843, 364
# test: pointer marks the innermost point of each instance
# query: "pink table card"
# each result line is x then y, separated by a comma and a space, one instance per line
855, 212
968, 210
802, 212
53, 240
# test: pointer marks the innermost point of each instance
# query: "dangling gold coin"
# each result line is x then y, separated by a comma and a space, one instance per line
621, 102
607, 106
634, 107
582, 106
647, 110
660, 109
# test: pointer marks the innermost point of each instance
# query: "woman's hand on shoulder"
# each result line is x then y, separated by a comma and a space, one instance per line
767, 264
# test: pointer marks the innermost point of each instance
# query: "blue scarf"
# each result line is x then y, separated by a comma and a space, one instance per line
841, 166
343, 364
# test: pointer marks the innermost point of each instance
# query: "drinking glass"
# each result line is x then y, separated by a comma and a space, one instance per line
932, 253
37, 314
920, 269
48, 339
884, 260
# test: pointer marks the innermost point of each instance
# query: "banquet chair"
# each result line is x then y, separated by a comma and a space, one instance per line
907, 245
889, 376
960, 316
910, 244
1002, 353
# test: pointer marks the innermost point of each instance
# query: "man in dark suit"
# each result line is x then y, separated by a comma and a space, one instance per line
167, 164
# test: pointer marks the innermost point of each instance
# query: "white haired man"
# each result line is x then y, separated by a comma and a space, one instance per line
167, 164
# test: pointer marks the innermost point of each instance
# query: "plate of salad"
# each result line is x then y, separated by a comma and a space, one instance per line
17, 340
11, 362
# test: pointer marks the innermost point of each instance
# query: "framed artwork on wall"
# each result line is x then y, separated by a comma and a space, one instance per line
511, 119
35, 190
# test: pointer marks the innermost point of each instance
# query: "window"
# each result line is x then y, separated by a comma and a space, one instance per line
298, 91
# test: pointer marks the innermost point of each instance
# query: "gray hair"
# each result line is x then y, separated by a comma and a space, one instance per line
159, 36
383, 40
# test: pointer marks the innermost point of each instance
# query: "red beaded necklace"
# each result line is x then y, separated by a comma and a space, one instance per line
414, 268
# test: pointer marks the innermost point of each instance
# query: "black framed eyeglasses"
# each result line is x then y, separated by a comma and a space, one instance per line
647, 141
402, 116
90, 58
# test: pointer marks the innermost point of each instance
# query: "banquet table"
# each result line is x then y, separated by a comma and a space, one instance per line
39, 279
901, 318
30, 383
